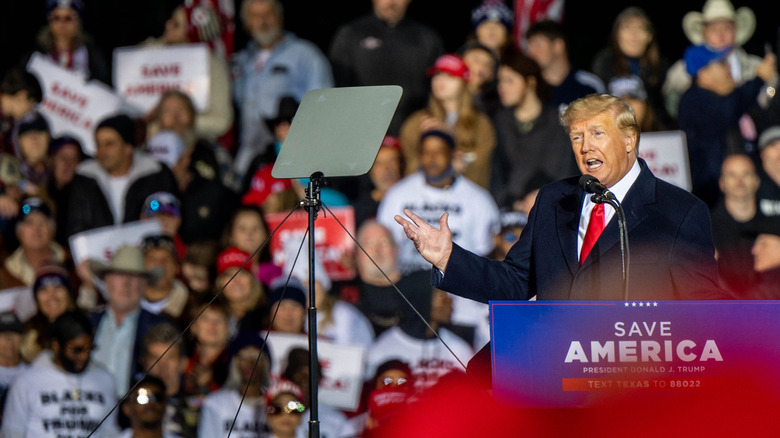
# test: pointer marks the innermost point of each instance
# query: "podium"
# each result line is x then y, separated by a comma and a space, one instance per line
588, 354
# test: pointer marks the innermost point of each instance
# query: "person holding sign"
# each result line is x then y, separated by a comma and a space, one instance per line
64, 41
200, 23
669, 229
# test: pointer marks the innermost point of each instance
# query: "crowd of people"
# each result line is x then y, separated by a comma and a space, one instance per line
166, 338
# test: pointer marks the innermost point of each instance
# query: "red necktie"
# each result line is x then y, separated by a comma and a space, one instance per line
595, 227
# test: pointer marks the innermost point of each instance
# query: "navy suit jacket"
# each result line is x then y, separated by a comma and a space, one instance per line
670, 246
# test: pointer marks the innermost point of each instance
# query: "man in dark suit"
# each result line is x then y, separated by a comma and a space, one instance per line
672, 255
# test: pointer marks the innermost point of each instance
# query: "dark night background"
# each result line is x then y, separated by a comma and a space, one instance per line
115, 23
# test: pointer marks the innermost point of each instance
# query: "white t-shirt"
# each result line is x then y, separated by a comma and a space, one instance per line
348, 326
9, 374
218, 410
474, 216
117, 186
46, 401
473, 219
428, 358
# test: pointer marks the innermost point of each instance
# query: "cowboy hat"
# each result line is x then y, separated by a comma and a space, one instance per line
127, 260
744, 20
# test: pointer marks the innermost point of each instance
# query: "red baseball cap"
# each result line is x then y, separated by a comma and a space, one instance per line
388, 401
391, 142
264, 185
231, 258
450, 64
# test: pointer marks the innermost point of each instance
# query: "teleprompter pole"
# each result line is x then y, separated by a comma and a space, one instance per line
312, 205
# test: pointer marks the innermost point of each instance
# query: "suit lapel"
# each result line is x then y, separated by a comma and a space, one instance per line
567, 220
641, 193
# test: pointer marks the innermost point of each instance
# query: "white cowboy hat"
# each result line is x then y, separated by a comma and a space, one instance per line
743, 18
127, 260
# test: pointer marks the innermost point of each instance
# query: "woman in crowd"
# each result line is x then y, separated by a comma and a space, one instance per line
633, 50
199, 267
246, 297
54, 296
287, 307
483, 71
247, 231
451, 108
64, 42
492, 23
530, 138
206, 368
195, 24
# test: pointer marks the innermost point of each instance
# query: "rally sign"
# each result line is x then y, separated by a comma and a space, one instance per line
341, 366
333, 246
100, 244
71, 105
142, 74
584, 354
666, 153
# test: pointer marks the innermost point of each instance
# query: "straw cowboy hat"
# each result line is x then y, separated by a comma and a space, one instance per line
127, 260
743, 18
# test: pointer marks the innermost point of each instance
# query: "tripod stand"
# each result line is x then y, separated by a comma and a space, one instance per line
347, 126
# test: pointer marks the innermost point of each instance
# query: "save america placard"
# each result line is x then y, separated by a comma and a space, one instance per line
580, 354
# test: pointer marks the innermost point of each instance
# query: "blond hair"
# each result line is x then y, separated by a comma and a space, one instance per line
595, 104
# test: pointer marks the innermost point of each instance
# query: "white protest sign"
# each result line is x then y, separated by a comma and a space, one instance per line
18, 300
100, 244
142, 74
666, 153
71, 105
342, 367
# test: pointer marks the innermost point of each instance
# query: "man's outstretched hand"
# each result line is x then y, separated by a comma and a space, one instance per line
434, 244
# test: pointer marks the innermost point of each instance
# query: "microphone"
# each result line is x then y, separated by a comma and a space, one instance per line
601, 194
591, 184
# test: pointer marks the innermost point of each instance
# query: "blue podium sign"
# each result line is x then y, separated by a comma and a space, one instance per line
573, 354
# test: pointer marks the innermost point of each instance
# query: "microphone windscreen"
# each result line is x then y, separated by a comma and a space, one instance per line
586, 182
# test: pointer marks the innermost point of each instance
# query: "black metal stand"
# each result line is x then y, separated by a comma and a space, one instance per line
610, 199
312, 205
